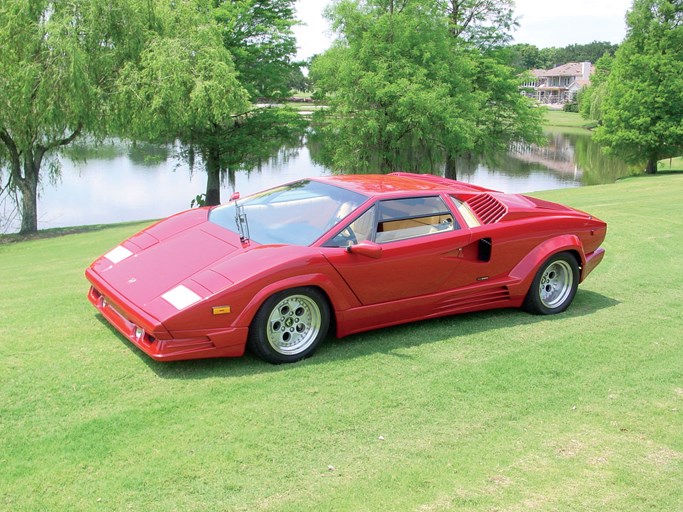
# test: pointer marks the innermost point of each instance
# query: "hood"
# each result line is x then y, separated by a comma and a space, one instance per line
155, 261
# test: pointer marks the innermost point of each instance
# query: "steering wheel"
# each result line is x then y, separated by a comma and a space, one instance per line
346, 237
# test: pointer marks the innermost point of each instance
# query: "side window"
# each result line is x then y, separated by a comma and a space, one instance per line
407, 218
359, 230
466, 212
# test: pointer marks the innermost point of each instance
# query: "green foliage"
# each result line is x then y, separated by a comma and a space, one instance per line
503, 115
184, 85
297, 81
590, 52
199, 201
484, 24
187, 85
255, 136
572, 106
524, 56
145, 69
643, 106
590, 98
402, 88
391, 87
58, 67
498, 410
258, 33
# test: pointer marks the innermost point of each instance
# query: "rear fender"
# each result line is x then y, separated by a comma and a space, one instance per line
525, 270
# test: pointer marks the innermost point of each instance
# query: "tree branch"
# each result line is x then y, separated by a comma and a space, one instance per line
14, 153
68, 140
41, 150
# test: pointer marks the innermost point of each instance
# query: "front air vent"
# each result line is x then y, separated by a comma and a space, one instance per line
487, 208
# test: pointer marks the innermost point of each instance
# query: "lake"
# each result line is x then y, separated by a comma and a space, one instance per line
117, 182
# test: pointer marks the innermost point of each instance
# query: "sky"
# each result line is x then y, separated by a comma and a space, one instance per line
543, 23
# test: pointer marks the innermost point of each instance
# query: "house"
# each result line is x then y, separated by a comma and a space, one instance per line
560, 84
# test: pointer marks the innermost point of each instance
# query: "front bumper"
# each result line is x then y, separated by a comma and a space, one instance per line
153, 339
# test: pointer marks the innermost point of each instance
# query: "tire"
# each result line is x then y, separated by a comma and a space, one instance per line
289, 325
554, 286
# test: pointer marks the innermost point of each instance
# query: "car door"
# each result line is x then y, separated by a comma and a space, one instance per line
416, 250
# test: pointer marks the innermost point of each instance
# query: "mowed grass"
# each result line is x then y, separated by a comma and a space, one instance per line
671, 164
498, 410
566, 119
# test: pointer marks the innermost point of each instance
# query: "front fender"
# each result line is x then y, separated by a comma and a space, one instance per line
339, 300
526, 269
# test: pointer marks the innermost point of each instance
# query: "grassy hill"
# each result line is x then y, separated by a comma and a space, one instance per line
491, 411
558, 118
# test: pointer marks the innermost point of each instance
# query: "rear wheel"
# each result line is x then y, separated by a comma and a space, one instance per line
289, 325
554, 286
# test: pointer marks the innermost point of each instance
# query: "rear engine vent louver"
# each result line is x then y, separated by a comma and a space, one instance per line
487, 208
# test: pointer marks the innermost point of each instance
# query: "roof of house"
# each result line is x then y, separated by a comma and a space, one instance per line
569, 69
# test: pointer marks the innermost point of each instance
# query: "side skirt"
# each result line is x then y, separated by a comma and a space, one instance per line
502, 293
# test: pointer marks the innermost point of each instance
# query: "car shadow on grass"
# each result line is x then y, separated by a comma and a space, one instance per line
389, 340
392, 340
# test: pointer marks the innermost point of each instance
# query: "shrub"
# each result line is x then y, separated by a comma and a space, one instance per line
572, 106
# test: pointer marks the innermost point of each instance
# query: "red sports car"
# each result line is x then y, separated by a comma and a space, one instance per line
273, 271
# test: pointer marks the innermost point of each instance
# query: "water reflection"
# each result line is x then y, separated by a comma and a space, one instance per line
569, 159
115, 186
574, 154
118, 182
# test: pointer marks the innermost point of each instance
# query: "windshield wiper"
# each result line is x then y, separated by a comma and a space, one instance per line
241, 221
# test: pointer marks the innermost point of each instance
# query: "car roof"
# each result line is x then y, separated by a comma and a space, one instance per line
399, 183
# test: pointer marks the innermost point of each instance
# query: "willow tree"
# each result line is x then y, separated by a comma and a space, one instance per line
199, 76
58, 66
643, 106
184, 84
591, 97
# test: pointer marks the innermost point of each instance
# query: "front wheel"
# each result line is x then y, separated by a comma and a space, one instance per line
554, 287
289, 325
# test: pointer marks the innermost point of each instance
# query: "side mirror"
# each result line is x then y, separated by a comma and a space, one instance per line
366, 248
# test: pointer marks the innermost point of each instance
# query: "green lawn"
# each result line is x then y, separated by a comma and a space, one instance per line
491, 411
559, 118
671, 164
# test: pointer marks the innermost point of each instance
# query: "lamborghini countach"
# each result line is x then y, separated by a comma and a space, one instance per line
275, 271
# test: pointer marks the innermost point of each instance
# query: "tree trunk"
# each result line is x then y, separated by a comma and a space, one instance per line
28, 186
29, 208
27, 181
451, 167
651, 165
213, 177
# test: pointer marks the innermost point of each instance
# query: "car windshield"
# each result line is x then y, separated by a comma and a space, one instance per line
298, 213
